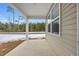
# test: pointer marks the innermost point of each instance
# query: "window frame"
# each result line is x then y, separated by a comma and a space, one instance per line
50, 13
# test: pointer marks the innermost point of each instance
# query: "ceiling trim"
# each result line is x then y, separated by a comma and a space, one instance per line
40, 17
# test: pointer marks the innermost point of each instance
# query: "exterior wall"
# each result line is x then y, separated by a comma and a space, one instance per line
66, 43
78, 29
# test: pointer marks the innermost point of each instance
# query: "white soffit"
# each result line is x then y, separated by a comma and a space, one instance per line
33, 10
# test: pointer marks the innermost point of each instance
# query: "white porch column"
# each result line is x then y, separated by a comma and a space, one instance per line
46, 28
27, 29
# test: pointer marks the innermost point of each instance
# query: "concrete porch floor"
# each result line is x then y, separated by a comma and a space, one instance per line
32, 48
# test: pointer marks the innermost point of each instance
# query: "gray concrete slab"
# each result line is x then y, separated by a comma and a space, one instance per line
32, 48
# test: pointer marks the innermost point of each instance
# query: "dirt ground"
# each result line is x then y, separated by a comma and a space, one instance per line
7, 47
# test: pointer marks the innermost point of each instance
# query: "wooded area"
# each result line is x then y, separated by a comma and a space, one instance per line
33, 27
36, 27
12, 27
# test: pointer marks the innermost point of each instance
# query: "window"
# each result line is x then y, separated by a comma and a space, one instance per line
48, 27
55, 11
49, 20
55, 26
53, 22
55, 19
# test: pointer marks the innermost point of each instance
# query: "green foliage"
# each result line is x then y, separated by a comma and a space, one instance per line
12, 27
36, 27
33, 27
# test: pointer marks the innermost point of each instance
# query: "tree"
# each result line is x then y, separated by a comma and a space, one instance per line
36, 27
10, 10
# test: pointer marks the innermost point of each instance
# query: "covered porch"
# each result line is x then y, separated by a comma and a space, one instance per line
60, 29
32, 47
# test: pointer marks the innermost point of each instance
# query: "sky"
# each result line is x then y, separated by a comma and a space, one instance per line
36, 20
4, 15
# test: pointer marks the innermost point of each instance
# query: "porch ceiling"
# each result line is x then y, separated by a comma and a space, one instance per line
33, 10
